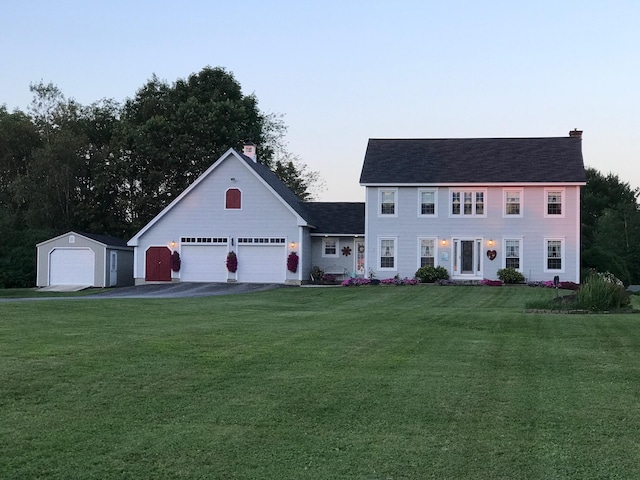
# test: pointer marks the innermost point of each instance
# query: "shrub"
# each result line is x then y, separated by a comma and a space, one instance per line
430, 274
510, 275
491, 283
600, 292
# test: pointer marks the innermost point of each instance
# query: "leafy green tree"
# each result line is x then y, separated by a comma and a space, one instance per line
610, 226
170, 134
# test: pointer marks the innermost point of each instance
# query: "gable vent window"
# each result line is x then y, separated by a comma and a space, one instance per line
233, 199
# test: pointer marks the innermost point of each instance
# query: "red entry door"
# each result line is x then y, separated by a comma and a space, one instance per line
158, 264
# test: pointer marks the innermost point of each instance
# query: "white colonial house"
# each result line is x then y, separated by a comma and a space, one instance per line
474, 206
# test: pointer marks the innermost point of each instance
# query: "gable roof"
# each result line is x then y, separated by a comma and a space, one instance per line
473, 160
277, 185
106, 240
282, 192
337, 218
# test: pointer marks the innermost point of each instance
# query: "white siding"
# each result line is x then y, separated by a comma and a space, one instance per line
532, 227
202, 213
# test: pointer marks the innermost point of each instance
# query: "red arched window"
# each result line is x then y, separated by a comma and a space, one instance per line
233, 198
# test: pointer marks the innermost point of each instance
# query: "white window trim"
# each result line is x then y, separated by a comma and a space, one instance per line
563, 255
563, 205
435, 203
395, 254
326, 255
520, 251
473, 200
504, 203
435, 250
395, 203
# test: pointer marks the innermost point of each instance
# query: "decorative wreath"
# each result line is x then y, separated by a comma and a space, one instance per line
175, 261
360, 248
232, 262
292, 262
346, 251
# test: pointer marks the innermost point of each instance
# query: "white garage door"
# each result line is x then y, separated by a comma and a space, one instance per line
71, 266
262, 264
203, 263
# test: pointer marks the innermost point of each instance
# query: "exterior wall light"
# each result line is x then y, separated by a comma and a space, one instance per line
491, 242
173, 244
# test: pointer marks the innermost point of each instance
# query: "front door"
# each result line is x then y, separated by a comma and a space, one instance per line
158, 264
467, 260
467, 257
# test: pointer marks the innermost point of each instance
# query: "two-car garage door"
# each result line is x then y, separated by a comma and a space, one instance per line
260, 260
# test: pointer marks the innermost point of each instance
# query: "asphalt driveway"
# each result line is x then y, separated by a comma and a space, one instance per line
182, 290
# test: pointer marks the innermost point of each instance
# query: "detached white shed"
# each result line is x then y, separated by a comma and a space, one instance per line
84, 259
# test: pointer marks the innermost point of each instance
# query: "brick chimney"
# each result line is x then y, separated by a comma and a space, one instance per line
575, 133
249, 149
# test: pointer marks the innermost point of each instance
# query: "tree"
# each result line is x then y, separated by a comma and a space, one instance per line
610, 226
170, 134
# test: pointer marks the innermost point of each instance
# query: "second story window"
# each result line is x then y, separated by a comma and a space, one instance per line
427, 203
513, 203
553, 203
467, 203
388, 203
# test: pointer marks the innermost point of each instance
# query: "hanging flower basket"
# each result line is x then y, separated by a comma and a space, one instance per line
292, 262
175, 261
232, 262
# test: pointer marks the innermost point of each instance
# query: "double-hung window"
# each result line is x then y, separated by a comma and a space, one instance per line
387, 201
428, 206
554, 202
554, 255
427, 252
329, 247
467, 203
513, 253
513, 203
387, 253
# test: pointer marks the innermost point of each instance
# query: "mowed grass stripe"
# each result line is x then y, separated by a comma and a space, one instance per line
364, 382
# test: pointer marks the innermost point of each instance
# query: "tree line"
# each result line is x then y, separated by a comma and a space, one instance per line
110, 167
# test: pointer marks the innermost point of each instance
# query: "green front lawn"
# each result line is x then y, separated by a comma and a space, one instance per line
310, 383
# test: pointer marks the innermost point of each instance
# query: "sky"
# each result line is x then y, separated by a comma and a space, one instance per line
343, 71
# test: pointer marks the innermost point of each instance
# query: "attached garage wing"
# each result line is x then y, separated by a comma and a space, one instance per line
71, 266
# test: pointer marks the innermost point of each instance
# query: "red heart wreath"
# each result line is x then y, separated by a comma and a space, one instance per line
491, 254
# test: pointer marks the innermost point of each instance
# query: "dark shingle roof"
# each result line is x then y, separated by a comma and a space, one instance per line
280, 188
473, 160
105, 239
337, 217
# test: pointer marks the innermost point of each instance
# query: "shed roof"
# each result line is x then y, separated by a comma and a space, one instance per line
473, 160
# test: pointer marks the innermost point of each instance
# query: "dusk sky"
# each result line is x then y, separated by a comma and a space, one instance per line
342, 72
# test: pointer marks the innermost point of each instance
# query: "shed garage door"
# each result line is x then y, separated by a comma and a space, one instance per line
203, 263
262, 264
71, 266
